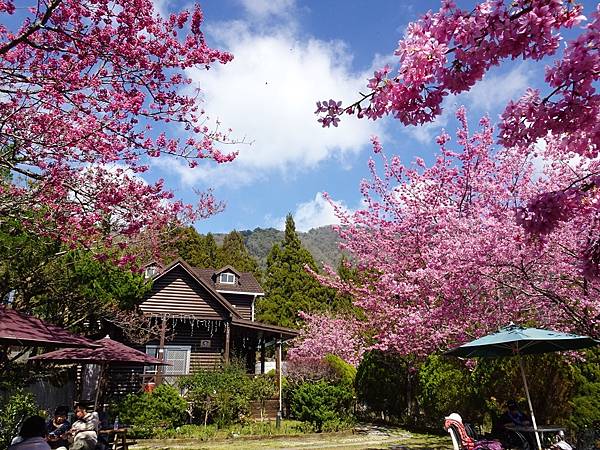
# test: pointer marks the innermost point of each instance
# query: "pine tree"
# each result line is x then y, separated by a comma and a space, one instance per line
234, 253
289, 287
195, 249
211, 251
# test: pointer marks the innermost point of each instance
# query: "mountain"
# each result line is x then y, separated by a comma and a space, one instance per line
322, 243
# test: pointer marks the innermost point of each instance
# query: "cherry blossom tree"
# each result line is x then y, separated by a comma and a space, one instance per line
449, 51
90, 92
503, 228
444, 258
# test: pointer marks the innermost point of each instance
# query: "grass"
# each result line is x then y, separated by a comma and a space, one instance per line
260, 429
292, 435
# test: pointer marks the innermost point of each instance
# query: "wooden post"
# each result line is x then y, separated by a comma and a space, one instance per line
262, 354
161, 350
99, 385
251, 355
227, 343
278, 369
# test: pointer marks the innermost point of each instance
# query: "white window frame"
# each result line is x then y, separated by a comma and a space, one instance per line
152, 350
225, 280
150, 271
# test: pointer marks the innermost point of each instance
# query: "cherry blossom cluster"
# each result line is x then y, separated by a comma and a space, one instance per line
448, 51
323, 335
441, 255
544, 212
83, 84
570, 110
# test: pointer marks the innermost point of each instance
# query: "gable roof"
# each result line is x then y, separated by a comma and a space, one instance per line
203, 282
245, 283
227, 268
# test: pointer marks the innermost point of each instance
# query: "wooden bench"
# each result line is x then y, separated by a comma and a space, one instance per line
119, 438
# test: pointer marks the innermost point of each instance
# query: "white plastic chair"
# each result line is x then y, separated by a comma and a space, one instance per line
455, 444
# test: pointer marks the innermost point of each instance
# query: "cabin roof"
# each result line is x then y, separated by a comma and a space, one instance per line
245, 282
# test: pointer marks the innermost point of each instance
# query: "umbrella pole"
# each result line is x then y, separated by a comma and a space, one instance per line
537, 436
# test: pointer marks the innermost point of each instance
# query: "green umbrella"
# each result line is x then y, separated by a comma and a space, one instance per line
514, 340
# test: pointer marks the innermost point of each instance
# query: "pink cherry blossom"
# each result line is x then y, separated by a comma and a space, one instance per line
323, 335
84, 84
443, 257
449, 51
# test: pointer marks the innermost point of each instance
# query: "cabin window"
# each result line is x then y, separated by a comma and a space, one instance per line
177, 355
227, 278
150, 271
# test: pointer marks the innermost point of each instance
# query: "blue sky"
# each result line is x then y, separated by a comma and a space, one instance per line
287, 55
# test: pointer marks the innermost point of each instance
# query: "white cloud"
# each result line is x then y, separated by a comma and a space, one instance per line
262, 9
495, 90
163, 7
233, 175
267, 95
314, 213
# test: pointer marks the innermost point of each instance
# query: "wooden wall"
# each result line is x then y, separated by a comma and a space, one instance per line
242, 303
124, 380
192, 333
177, 292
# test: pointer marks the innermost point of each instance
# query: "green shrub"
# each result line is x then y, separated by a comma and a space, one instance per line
160, 409
17, 408
382, 384
346, 373
444, 388
321, 392
479, 392
222, 396
494, 381
323, 404
585, 402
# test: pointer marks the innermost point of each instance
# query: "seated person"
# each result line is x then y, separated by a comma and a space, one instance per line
57, 428
84, 431
463, 436
32, 435
512, 417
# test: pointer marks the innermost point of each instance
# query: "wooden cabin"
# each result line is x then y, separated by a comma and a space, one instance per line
207, 318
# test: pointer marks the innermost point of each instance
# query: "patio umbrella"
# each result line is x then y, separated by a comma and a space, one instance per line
514, 340
107, 352
20, 329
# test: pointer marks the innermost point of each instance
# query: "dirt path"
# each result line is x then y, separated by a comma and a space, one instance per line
364, 438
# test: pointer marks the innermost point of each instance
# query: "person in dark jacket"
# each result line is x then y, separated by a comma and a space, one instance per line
503, 428
57, 428
513, 416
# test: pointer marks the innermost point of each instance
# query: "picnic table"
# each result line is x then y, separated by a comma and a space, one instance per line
541, 429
